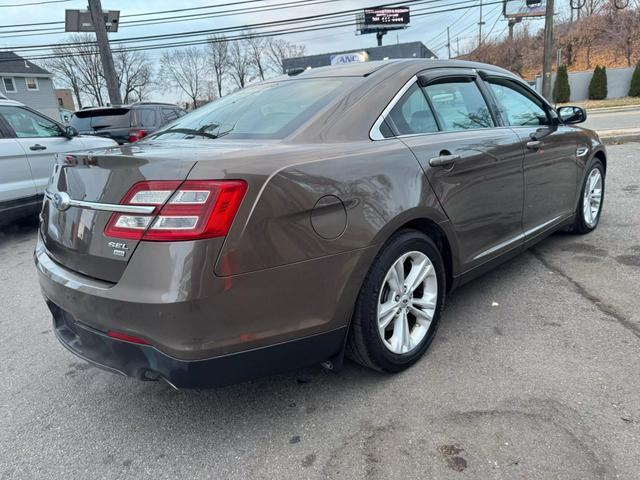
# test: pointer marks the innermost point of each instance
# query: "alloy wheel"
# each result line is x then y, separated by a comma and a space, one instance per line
407, 302
592, 200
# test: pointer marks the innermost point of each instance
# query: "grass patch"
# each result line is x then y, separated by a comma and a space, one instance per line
610, 102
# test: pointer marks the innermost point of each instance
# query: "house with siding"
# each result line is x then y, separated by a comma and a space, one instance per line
26, 82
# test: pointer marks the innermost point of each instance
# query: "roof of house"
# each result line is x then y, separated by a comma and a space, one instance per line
15, 64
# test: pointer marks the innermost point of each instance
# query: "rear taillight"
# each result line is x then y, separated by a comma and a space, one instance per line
189, 210
135, 135
127, 338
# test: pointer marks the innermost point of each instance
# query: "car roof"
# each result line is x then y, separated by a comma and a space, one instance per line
366, 69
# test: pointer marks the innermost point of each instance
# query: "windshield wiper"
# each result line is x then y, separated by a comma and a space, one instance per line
188, 131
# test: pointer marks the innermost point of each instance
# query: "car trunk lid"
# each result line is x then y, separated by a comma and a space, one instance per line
74, 235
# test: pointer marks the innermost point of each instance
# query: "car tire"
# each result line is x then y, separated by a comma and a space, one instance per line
587, 221
394, 348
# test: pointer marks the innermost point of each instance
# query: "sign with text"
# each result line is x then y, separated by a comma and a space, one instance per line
352, 57
392, 18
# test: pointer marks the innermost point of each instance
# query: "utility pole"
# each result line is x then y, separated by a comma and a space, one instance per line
449, 43
480, 23
457, 46
97, 18
548, 51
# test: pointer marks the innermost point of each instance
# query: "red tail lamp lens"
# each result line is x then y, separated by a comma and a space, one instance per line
190, 210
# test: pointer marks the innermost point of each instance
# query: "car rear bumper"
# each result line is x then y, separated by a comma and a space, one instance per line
145, 362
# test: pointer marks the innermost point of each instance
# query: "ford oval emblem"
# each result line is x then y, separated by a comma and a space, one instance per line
62, 201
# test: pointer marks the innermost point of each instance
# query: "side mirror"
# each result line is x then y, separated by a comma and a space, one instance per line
70, 131
571, 115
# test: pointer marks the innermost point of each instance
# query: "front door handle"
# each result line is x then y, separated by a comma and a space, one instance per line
37, 146
534, 145
444, 160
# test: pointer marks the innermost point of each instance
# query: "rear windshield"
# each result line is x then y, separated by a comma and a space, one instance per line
101, 119
265, 111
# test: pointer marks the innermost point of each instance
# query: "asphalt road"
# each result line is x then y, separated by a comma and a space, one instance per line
613, 120
534, 374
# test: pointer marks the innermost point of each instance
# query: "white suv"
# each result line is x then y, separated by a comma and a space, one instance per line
29, 142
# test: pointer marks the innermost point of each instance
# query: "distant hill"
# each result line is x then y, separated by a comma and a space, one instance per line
610, 37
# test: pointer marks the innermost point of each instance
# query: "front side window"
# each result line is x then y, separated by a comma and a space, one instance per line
459, 105
519, 108
32, 84
29, 124
265, 111
9, 84
412, 114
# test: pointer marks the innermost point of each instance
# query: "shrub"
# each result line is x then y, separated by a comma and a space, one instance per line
634, 88
598, 84
561, 89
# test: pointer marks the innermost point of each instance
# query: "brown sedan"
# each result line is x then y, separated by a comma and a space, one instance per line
307, 217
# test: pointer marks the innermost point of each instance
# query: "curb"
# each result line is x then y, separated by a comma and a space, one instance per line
622, 108
617, 138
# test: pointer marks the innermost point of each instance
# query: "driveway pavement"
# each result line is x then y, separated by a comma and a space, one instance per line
534, 373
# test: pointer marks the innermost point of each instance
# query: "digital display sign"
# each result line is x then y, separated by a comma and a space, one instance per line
385, 18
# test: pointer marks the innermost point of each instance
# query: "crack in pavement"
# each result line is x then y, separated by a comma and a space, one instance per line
605, 308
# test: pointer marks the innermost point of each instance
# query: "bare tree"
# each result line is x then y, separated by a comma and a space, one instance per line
77, 65
134, 73
186, 70
219, 58
62, 66
255, 49
279, 49
239, 64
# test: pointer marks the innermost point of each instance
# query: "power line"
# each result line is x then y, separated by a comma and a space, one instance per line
291, 30
222, 30
12, 5
179, 18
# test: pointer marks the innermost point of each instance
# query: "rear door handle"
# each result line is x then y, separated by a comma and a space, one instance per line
443, 160
37, 146
534, 145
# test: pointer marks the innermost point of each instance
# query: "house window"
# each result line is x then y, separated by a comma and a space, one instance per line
9, 85
32, 84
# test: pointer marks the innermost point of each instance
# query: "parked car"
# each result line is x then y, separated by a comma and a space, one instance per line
308, 216
126, 123
29, 142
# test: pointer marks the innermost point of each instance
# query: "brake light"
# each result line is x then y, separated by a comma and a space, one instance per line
136, 135
190, 210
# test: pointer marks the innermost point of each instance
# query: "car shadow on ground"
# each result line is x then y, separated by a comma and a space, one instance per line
18, 230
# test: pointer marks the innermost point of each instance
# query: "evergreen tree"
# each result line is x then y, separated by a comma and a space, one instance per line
561, 89
598, 84
634, 88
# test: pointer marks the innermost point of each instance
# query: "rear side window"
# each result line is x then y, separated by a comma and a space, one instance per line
145, 117
459, 105
519, 108
412, 114
170, 114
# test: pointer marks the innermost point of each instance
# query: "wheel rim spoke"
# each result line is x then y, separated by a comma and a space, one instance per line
417, 274
386, 313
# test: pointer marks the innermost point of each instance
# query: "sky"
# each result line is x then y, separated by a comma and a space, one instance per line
428, 28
